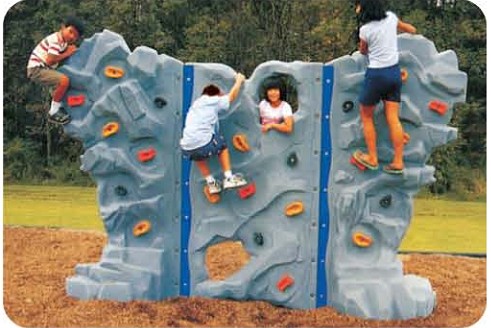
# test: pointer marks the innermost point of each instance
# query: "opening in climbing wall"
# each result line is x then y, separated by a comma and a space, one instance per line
224, 259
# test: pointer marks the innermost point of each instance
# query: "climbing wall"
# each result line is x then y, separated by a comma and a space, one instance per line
303, 194
371, 210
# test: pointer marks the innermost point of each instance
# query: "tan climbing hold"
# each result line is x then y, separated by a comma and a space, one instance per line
404, 75
141, 228
109, 129
362, 240
114, 72
294, 208
240, 143
212, 198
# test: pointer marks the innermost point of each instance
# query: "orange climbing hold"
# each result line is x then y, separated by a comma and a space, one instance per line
294, 208
146, 155
114, 72
285, 282
247, 190
109, 129
141, 228
212, 198
77, 100
362, 240
438, 106
240, 143
404, 75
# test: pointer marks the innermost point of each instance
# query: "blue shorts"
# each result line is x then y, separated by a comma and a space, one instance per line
214, 147
381, 84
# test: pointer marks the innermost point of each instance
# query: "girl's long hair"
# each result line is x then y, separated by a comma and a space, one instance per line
371, 10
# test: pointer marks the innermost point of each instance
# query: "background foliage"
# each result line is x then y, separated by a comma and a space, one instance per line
241, 34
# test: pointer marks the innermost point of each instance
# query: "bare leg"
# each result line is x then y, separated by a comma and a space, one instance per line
61, 88
224, 158
366, 114
396, 133
203, 168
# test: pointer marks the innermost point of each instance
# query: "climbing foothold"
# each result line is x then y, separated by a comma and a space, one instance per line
284, 282
141, 228
438, 106
109, 129
146, 155
258, 238
292, 159
240, 143
362, 240
74, 101
212, 198
114, 72
247, 190
294, 208
160, 102
404, 75
120, 191
358, 165
386, 201
348, 106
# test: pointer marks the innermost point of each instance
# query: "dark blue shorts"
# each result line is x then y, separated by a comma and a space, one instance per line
381, 84
214, 147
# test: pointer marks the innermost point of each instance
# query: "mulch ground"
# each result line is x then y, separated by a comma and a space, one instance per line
37, 261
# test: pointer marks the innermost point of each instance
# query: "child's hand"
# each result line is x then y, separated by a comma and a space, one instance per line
239, 77
266, 127
71, 49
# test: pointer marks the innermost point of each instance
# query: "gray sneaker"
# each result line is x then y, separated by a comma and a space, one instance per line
60, 117
214, 187
236, 181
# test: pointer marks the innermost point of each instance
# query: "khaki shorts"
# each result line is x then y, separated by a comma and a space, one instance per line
45, 76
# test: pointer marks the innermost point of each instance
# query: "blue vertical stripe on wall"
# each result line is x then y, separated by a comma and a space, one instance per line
327, 85
186, 213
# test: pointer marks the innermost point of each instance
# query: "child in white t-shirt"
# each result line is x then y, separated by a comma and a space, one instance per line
378, 40
274, 112
201, 138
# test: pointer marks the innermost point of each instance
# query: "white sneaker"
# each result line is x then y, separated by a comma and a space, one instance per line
235, 181
214, 187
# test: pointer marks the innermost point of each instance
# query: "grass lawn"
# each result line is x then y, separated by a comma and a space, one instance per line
437, 225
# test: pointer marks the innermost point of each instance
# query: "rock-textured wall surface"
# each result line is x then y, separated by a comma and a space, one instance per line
304, 199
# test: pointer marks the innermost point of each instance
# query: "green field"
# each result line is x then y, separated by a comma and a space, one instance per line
437, 225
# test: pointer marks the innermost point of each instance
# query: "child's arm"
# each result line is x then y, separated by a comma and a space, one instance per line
363, 47
234, 92
285, 127
55, 59
405, 27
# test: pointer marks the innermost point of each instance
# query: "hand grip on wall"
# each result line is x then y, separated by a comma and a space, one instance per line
146, 155
141, 228
114, 72
284, 282
362, 240
247, 191
294, 208
109, 129
212, 198
74, 101
239, 141
438, 106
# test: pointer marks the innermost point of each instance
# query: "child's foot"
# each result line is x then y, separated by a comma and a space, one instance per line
364, 160
214, 187
235, 181
60, 117
393, 169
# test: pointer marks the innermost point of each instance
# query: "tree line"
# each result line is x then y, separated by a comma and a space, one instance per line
241, 34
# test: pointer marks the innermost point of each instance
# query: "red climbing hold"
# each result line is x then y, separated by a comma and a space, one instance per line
247, 191
285, 282
360, 166
146, 155
438, 106
77, 100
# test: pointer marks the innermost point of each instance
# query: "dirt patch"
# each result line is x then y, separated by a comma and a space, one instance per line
37, 261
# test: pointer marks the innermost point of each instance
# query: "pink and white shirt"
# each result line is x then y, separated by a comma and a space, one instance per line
271, 114
52, 44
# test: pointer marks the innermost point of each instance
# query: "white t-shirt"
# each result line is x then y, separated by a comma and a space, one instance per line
381, 37
271, 114
202, 121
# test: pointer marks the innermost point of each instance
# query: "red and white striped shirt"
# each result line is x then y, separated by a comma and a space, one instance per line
52, 44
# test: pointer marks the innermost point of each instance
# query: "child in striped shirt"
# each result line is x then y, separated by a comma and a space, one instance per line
46, 56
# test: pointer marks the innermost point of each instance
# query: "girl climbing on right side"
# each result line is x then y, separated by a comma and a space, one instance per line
378, 40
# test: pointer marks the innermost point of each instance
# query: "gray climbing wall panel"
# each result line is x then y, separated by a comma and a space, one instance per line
128, 108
